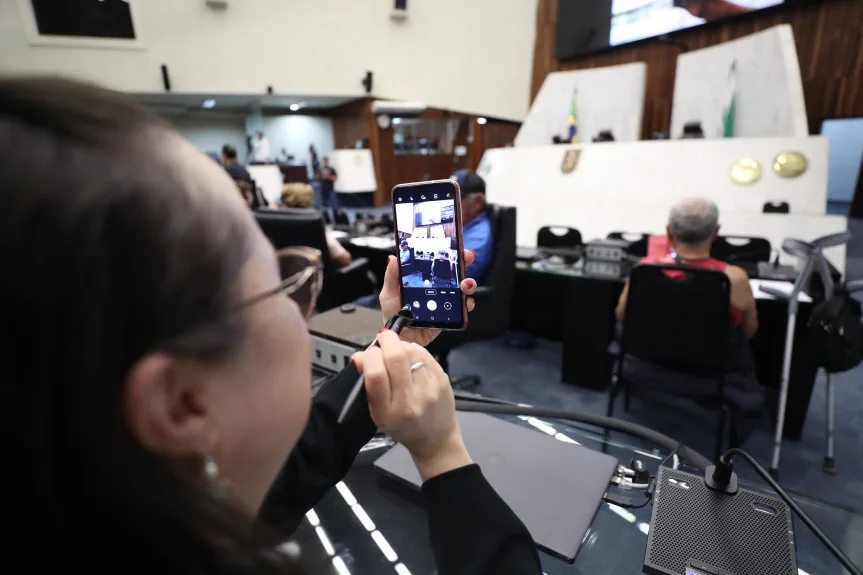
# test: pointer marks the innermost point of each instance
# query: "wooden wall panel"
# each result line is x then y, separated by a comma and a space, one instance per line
349, 123
828, 34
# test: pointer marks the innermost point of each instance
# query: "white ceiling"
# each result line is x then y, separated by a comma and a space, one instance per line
238, 102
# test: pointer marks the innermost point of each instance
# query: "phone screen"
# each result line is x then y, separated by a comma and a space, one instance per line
428, 244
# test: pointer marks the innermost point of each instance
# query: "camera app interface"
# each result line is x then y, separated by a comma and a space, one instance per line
428, 253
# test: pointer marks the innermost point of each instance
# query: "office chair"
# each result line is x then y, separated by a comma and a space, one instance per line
776, 208
298, 227
637, 246
547, 238
677, 326
490, 318
441, 270
741, 249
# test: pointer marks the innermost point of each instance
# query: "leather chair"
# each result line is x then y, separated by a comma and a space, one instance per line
547, 238
491, 317
675, 340
299, 227
741, 249
441, 270
636, 247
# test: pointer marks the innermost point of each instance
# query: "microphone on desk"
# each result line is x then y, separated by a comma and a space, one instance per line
704, 523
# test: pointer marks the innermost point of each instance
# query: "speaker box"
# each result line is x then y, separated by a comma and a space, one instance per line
697, 531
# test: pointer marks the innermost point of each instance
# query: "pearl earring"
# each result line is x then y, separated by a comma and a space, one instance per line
221, 488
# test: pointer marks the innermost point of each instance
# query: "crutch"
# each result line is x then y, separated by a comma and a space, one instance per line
812, 254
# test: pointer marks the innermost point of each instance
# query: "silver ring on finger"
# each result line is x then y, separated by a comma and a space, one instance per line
417, 366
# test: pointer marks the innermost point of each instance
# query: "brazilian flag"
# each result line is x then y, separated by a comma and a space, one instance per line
573, 118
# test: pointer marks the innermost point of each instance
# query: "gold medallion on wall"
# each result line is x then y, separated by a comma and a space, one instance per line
570, 161
745, 171
790, 164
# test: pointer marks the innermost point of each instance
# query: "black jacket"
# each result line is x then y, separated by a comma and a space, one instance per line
473, 532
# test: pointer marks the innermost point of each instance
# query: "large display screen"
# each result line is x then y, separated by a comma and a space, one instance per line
587, 26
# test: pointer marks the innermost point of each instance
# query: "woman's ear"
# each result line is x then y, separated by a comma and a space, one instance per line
166, 408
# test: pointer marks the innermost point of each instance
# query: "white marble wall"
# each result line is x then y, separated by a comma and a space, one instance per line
631, 186
610, 98
769, 89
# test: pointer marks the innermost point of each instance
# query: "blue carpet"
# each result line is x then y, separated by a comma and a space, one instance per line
533, 376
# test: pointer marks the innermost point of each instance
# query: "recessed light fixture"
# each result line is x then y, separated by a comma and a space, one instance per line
295, 107
397, 121
481, 121
209, 103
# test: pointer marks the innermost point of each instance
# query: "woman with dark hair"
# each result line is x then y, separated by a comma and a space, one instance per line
156, 381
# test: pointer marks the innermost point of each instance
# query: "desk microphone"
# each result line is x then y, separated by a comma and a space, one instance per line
701, 524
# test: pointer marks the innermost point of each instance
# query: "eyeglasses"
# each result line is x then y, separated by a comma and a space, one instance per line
302, 273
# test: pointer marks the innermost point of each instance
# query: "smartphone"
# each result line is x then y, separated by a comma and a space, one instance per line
429, 249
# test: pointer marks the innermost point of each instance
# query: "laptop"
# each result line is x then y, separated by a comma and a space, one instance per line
555, 487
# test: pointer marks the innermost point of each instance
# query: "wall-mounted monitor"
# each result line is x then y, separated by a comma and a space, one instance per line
84, 18
589, 26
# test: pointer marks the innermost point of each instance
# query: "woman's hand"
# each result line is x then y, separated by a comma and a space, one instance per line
391, 299
417, 408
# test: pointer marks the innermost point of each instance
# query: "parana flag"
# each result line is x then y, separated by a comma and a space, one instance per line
729, 109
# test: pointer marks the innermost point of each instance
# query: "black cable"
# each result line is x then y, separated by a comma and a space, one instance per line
846, 562
687, 453
627, 502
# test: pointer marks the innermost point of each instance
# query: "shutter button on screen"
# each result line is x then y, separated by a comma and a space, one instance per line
431, 304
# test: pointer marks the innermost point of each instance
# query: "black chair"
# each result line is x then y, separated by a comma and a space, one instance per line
298, 227
547, 237
676, 333
637, 246
491, 317
441, 270
776, 208
741, 249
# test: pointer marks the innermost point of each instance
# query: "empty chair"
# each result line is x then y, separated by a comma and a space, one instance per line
776, 208
736, 249
558, 237
637, 242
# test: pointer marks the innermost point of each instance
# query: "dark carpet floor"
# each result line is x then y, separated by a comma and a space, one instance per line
533, 376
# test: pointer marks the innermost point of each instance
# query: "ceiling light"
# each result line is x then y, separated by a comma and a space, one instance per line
295, 107
397, 121
481, 121
209, 103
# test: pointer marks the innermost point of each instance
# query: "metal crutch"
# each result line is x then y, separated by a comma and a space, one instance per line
813, 252
829, 460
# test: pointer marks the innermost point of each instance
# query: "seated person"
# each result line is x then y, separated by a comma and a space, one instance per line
404, 252
297, 195
476, 225
693, 225
232, 166
247, 191
440, 264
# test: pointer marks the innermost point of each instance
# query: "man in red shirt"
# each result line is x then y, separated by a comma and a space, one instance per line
693, 225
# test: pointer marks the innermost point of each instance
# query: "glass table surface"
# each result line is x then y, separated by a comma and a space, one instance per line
371, 525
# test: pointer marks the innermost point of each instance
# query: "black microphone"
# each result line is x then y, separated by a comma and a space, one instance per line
700, 524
